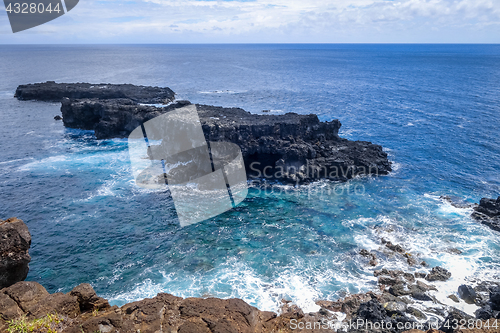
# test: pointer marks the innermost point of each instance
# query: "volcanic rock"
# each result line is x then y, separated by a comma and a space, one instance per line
55, 92
15, 241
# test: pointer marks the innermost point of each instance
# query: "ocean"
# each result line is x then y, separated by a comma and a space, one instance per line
434, 108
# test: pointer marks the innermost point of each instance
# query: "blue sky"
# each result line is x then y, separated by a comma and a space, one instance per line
268, 21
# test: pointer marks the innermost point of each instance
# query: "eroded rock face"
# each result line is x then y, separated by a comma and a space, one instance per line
15, 241
488, 213
55, 92
290, 147
81, 309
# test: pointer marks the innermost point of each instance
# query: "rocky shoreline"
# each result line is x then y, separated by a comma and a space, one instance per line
403, 302
291, 148
488, 213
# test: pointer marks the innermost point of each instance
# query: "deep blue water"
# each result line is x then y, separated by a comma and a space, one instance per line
435, 109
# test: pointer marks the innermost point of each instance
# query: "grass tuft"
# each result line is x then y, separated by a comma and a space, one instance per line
47, 324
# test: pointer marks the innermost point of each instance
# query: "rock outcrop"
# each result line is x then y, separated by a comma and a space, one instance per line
15, 241
488, 213
290, 147
81, 310
54, 92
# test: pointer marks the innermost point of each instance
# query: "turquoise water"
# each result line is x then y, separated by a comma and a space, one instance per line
434, 108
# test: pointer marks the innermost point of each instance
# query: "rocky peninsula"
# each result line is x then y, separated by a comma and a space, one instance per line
290, 147
54, 92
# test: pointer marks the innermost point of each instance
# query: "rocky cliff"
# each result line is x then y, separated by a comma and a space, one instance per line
289, 147
15, 241
55, 92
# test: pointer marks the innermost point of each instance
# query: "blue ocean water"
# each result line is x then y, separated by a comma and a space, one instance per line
434, 108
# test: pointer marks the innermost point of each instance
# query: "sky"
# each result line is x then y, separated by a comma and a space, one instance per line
267, 21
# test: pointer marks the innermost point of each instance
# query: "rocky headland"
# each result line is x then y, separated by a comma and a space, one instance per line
289, 147
54, 92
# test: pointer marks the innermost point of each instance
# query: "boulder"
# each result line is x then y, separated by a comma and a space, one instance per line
26, 294
87, 298
467, 293
454, 317
438, 274
495, 298
488, 213
15, 241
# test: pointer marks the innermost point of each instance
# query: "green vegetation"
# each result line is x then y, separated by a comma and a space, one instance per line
47, 324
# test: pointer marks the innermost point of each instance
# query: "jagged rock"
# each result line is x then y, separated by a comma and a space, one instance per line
57, 117
395, 247
15, 241
488, 213
416, 313
87, 298
421, 296
495, 298
395, 307
454, 298
399, 290
372, 311
290, 147
484, 313
388, 281
8, 307
291, 311
457, 201
55, 92
438, 274
455, 316
348, 305
425, 287
467, 293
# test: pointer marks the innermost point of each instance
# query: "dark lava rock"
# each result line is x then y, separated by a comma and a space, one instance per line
57, 117
421, 296
388, 321
373, 311
484, 313
290, 147
453, 320
467, 293
15, 241
488, 213
399, 290
55, 92
495, 299
457, 201
454, 298
395, 247
348, 305
438, 274
388, 281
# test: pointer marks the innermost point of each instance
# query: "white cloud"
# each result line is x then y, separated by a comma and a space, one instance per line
276, 21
